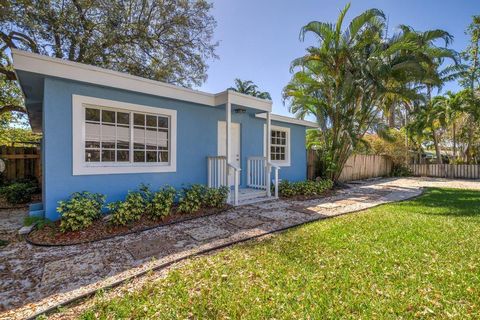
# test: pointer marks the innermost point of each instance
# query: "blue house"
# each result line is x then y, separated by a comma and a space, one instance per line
108, 132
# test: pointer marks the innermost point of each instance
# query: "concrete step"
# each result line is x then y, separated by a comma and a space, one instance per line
254, 200
246, 194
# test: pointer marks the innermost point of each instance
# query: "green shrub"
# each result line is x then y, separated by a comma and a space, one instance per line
161, 202
129, 210
401, 170
80, 210
289, 189
215, 198
19, 192
192, 198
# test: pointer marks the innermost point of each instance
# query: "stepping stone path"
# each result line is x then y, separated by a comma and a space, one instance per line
34, 279
206, 232
71, 268
245, 222
145, 248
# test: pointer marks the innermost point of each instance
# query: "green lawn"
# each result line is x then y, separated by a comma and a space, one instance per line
414, 259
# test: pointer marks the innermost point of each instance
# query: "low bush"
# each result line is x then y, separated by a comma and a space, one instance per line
80, 210
19, 192
161, 202
215, 198
129, 210
192, 198
401, 170
287, 189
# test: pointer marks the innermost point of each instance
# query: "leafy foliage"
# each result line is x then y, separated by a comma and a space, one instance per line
191, 198
289, 189
166, 40
80, 210
129, 210
215, 198
19, 192
346, 79
161, 202
248, 87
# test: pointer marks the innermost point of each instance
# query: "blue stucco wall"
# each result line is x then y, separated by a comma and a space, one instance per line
196, 139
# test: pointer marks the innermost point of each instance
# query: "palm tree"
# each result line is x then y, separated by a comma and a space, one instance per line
344, 79
248, 87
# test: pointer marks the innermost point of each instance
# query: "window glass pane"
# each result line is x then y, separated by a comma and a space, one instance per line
283, 134
151, 156
139, 156
123, 156
162, 145
162, 135
162, 122
92, 155
108, 116
139, 119
123, 118
123, 137
163, 156
151, 139
108, 155
92, 133
282, 156
139, 138
108, 136
92, 114
151, 121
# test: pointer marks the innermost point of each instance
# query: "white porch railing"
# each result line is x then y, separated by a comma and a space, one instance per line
218, 172
259, 172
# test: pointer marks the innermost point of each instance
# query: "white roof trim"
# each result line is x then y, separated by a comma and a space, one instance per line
277, 117
55, 67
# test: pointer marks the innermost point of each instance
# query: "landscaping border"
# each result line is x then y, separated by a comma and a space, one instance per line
29, 241
115, 284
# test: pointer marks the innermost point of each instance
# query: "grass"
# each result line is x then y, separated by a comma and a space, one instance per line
414, 259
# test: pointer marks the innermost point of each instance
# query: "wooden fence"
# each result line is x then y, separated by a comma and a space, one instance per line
21, 163
453, 171
357, 167
360, 167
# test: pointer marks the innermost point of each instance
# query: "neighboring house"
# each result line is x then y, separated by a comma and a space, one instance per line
108, 132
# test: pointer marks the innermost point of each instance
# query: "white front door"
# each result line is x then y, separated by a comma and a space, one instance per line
235, 147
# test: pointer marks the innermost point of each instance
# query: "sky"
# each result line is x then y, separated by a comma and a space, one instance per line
259, 38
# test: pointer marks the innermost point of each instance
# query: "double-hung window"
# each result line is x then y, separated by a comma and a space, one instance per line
116, 137
280, 145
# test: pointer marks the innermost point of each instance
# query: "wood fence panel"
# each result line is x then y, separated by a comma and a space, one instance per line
452, 171
360, 167
21, 163
357, 167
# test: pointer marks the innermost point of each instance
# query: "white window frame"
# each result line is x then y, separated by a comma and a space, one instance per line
82, 167
281, 163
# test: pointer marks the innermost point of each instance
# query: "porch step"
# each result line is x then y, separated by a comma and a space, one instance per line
250, 195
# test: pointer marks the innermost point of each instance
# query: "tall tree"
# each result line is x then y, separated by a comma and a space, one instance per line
248, 87
471, 80
343, 80
168, 40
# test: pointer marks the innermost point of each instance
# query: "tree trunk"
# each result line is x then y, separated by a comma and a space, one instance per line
454, 141
391, 116
437, 147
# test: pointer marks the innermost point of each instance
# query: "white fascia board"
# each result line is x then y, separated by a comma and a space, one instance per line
277, 117
55, 67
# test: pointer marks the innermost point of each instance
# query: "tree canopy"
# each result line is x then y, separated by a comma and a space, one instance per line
168, 40
250, 88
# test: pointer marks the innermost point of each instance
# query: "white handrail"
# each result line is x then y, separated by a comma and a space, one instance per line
217, 171
257, 175
275, 181
236, 178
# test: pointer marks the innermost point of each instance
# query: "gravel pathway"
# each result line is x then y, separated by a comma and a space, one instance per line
34, 279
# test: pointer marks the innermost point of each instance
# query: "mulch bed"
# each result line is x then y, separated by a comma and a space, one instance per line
50, 234
5, 205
